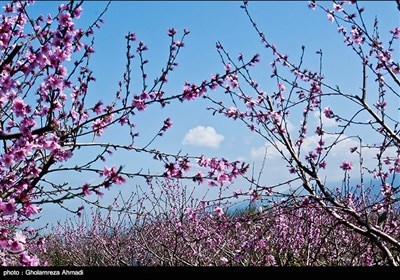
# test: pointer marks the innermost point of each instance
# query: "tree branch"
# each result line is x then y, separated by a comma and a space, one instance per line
16, 135
11, 56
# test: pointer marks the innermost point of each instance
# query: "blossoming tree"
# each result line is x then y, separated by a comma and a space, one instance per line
359, 206
314, 221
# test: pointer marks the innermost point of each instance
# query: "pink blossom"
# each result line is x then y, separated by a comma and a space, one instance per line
100, 124
236, 193
49, 19
356, 34
342, 29
337, 7
312, 5
63, 7
191, 213
381, 175
305, 202
20, 154
26, 126
142, 47
123, 120
16, 245
255, 59
65, 20
319, 149
331, 18
381, 105
29, 260
112, 175
346, 165
281, 87
218, 210
78, 12
255, 195
395, 32
99, 193
9, 207
131, 36
30, 210
203, 162
171, 170
311, 156
167, 124
178, 43
171, 32
328, 112
55, 81
212, 183
98, 108
139, 103
223, 178
350, 17
232, 112
19, 107
8, 160
85, 189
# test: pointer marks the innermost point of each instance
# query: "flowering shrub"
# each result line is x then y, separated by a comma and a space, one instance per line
180, 232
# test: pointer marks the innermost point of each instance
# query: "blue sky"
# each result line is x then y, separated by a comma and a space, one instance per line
287, 24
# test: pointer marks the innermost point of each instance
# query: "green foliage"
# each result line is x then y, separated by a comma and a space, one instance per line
250, 209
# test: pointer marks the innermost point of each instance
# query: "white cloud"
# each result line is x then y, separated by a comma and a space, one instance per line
276, 167
341, 152
258, 153
341, 149
325, 121
243, 159
268, 151
289, 126
201, 136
